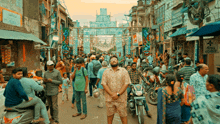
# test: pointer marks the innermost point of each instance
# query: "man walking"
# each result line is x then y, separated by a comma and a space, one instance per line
115, 81
98, 83
187, 71
93, 69
81, 82
52, 79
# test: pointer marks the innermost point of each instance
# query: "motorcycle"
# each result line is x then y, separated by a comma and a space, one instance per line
135, 102
24, 115
152, 93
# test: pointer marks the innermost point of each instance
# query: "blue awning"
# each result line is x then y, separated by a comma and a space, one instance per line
212, 29
180, 31
14, 35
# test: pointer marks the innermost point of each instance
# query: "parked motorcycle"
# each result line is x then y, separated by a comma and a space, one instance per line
135, 102
24, 115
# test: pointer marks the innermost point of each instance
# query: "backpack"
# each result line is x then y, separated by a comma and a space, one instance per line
96, 67
83, 74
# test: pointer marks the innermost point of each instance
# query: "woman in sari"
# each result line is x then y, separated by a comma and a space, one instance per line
206, 108
169, 107
60, 67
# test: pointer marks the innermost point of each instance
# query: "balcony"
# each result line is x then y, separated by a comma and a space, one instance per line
177, 4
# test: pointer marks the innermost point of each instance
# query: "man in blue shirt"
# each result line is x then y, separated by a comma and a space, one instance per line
98, 83
15, 96
91, 75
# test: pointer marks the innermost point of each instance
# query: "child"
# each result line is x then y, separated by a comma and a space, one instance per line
65, 86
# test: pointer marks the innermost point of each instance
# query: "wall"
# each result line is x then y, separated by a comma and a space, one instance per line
32, 55
31, 9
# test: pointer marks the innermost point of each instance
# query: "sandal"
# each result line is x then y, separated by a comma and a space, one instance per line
75, 115
37, 121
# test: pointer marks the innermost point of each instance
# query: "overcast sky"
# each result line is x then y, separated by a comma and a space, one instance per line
85, 10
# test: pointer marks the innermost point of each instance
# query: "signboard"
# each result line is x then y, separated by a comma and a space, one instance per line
210, 46
135, 41
161, 36
11, 18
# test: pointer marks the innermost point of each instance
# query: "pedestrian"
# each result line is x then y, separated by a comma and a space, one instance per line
52, 79
198, 80
128, 67
81, 81
128, 60
98, 84
65, 87
205, 109
135, 76
185, 108
163, 66
150, 59
166, 58
60, 66
2, 80
93, 69
67, 66
115, 81
169, 106
187, 71
197, 64
172, 59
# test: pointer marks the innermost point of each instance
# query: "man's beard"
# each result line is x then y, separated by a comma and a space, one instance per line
133, 69
115, 65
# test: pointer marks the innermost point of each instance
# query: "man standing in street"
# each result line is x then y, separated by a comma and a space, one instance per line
128, 60
52, 79
115, 81
81, 83
198, 80
187, 71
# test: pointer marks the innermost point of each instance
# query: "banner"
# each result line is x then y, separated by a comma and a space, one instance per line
146, 38
86, 44
119, 45
139, 38
135, 41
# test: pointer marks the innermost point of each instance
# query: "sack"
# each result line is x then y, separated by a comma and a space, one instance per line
189, 93
82, 72
96, 67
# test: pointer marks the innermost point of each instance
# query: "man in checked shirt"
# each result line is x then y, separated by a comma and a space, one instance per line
135, 76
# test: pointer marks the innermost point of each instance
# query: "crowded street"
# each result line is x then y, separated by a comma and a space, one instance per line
110, 62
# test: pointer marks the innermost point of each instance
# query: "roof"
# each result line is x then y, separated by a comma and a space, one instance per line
14, 35
211, 29
180, 31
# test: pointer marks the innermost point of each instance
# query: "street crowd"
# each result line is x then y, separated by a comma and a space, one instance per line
186, 93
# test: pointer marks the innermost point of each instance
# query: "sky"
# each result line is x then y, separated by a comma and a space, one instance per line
85, 10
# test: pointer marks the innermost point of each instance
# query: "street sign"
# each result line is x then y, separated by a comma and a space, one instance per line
210, 46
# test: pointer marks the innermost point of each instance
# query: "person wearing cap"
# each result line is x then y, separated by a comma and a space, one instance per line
52, 79
91, 75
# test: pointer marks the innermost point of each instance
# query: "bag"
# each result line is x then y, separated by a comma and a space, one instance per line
189, 93
82, 72
96, 67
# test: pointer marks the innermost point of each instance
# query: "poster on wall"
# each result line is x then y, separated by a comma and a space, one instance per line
140, 38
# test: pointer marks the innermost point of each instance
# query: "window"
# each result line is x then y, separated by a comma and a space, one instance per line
168, 5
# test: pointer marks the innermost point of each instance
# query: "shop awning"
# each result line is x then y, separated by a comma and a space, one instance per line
212, 29
180, 31
14, 35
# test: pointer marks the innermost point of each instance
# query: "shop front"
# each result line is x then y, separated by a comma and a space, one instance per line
18, 50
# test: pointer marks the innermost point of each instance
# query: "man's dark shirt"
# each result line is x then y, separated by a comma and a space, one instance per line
14, 93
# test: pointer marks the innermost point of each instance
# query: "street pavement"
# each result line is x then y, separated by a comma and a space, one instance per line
96, 115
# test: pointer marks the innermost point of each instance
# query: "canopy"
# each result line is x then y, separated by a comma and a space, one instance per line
212, 29
180, 31
14, 35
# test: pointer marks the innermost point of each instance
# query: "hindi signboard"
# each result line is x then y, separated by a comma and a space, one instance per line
210, 46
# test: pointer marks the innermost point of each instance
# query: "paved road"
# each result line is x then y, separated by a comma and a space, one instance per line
96, 115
